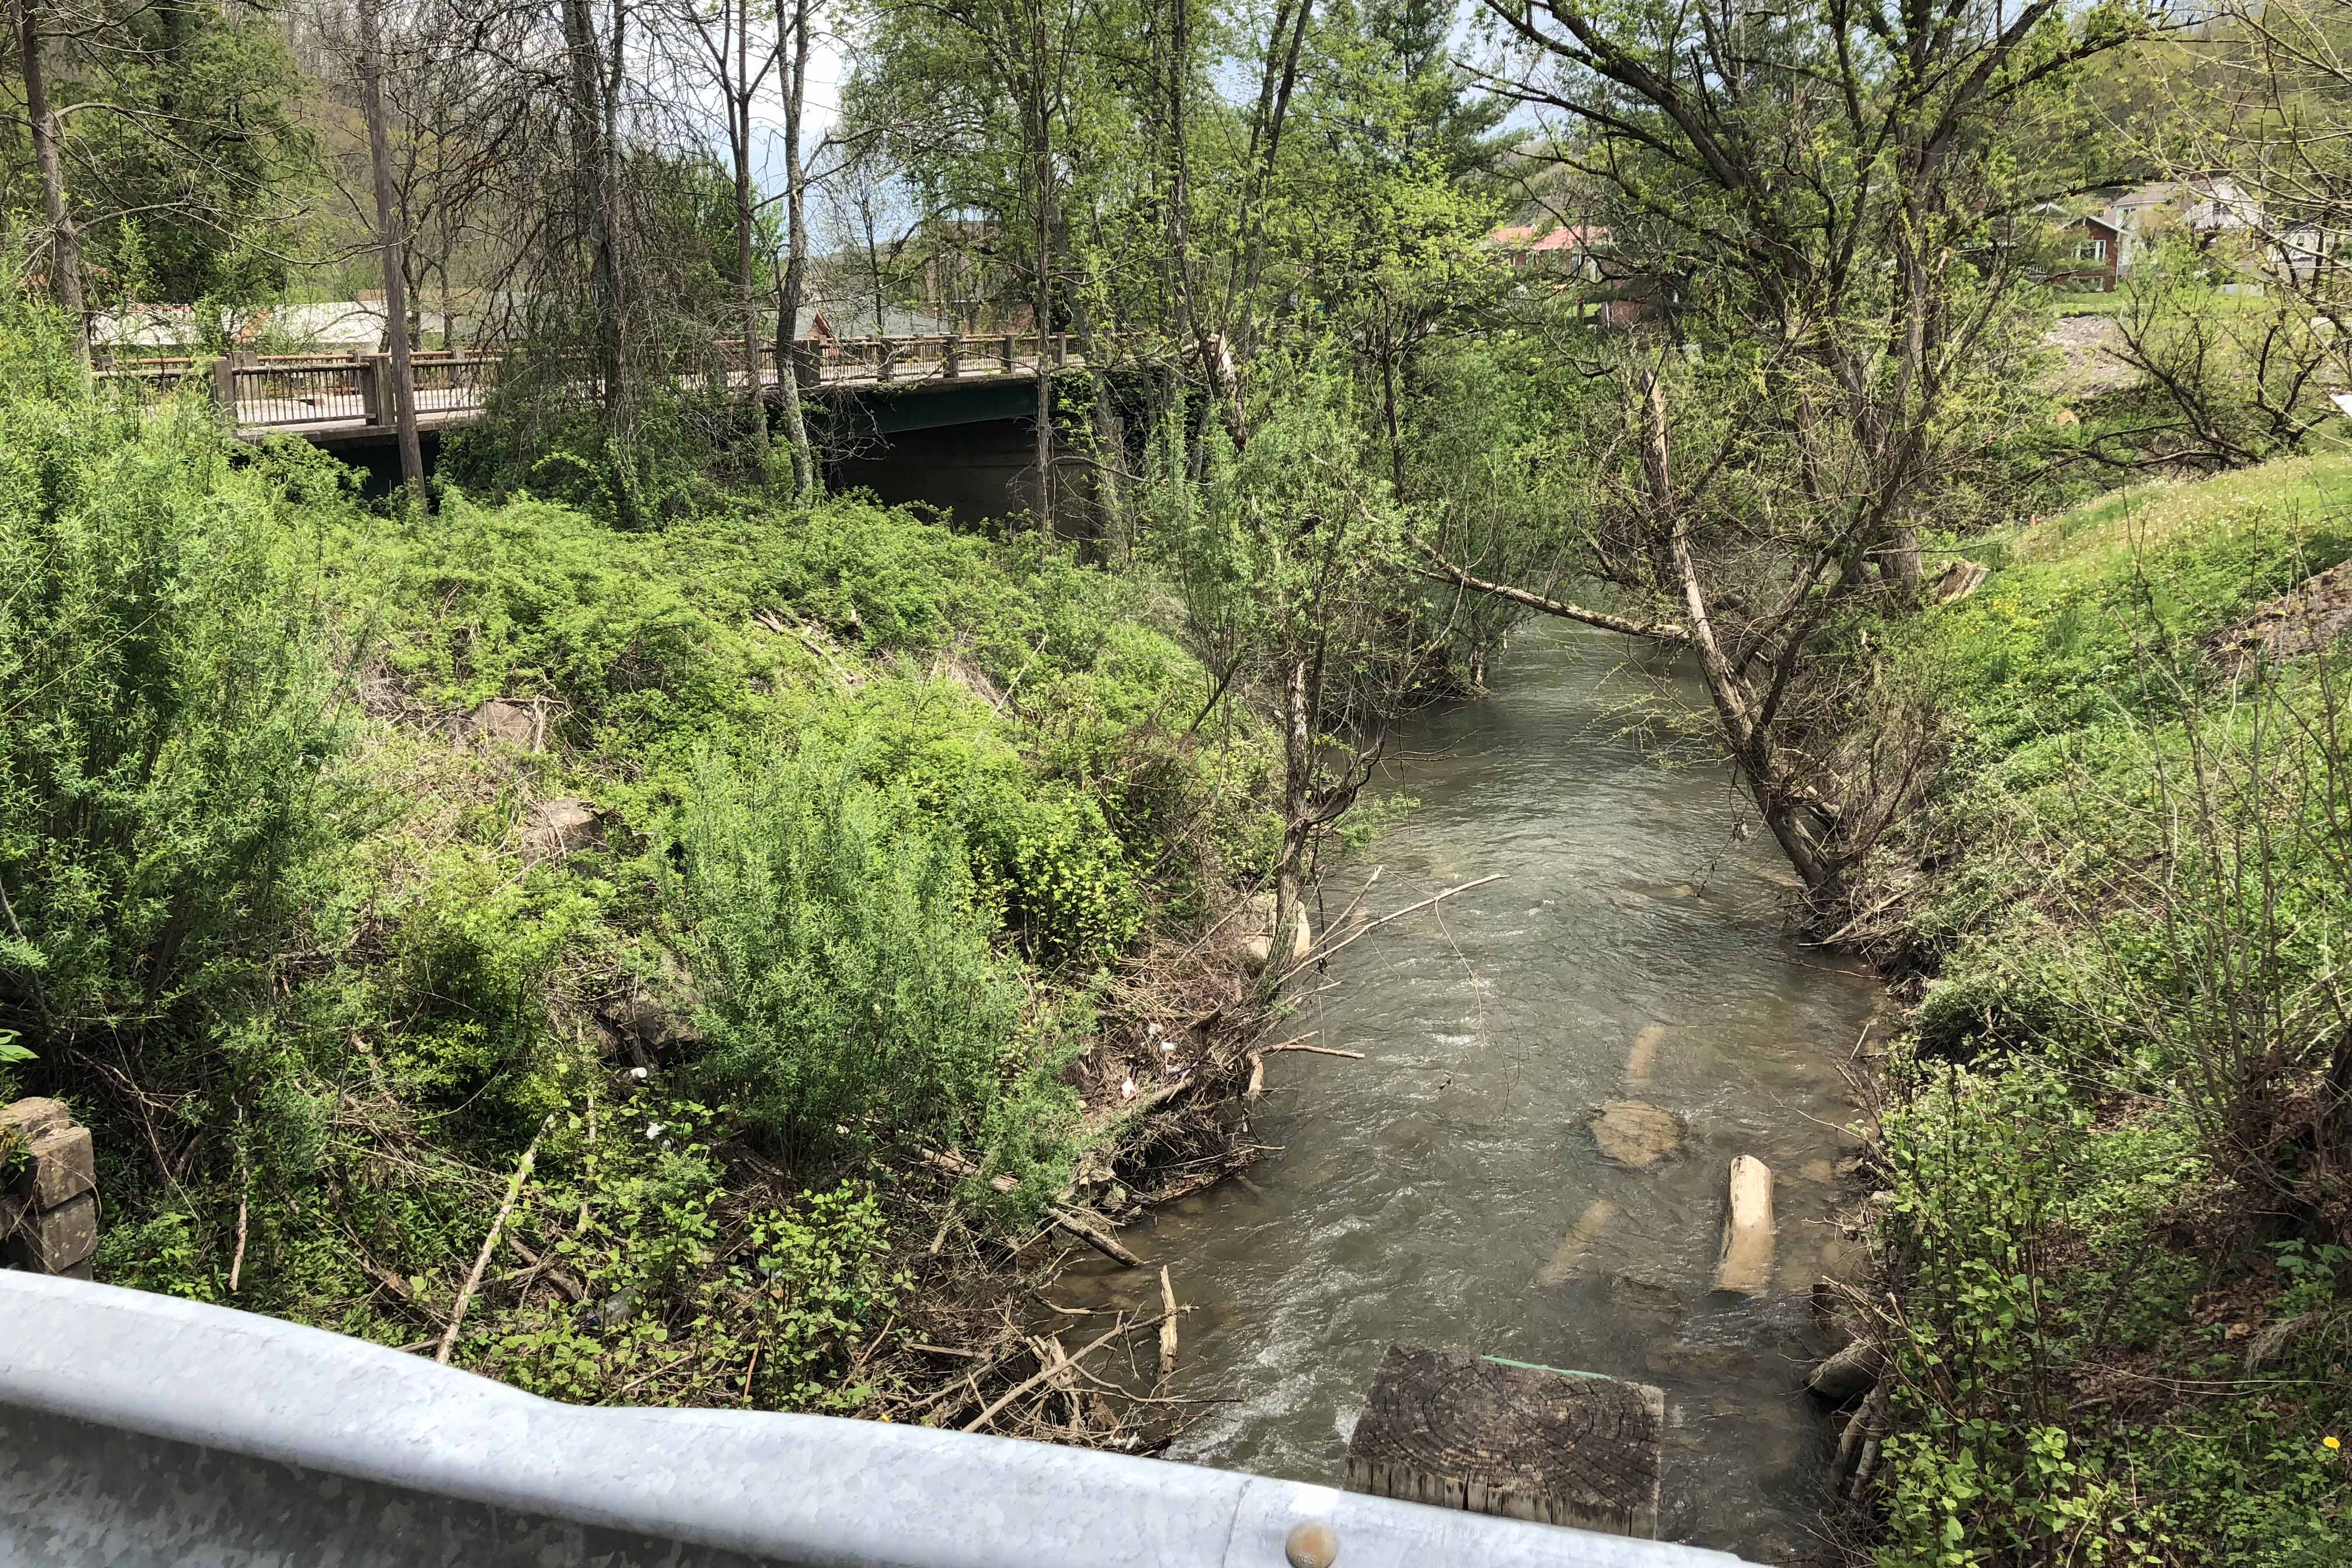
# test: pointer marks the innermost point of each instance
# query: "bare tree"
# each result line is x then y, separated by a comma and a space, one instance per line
47, 132
393, 245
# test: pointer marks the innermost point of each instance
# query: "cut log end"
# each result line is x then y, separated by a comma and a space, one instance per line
1524, 1442
1744, 1264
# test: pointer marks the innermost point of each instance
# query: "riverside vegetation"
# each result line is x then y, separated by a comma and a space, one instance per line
354, 858
623, 918
2116, 1142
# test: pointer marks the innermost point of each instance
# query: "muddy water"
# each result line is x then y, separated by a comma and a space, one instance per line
1445, 1191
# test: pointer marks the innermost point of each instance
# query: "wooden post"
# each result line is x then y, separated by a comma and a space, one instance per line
375, 383
1489, 1435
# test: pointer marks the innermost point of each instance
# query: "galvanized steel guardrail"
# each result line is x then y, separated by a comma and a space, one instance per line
138, 1429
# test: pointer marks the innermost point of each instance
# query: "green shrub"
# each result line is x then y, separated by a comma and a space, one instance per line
686, 1297
167, 713
846, 983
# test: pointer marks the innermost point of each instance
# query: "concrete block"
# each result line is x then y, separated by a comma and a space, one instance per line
54, 1240
29, 1119
63, 1167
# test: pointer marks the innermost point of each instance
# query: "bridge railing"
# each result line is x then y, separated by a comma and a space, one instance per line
290, 390
266, 390
174, 1430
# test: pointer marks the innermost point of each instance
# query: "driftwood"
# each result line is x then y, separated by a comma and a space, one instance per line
1744, 1264
1167, 1324
1299, 1045
1045, 1373
1102, 1241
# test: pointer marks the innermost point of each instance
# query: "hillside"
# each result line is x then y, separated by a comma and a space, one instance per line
2111, 1206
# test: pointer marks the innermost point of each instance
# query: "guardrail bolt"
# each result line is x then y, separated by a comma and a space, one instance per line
1313, 1544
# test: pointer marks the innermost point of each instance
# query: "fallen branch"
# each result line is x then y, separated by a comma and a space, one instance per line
1026, 1385
490, 1244
236, 1264
1101, 1241
1167, 1324
1300, 1044
1318, 954
1066, 1219
1444, 570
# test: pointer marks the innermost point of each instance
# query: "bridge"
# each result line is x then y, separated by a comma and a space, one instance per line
335, 399
940, 418
138, 1429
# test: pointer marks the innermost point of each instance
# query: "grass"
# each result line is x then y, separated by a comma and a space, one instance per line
2116, 1337
2071, 303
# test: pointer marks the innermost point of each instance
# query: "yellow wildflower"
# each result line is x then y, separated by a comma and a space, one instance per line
2330, 1442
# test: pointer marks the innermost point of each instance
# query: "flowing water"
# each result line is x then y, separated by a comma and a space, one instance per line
1445, 1191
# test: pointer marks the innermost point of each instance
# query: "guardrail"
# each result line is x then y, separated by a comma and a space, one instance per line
141, 1429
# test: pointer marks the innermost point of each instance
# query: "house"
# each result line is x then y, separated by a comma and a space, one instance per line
2206, 208
1567, 250
2090, 255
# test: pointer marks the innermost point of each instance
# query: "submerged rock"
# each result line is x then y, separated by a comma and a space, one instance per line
1636, 1134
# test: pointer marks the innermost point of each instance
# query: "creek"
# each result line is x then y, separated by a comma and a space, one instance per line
1446, 1190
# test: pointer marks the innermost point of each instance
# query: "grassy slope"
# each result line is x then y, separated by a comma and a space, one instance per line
2108, 1348
323, 1126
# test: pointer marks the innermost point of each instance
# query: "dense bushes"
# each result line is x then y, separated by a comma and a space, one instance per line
171, 732
859, 810
848, 987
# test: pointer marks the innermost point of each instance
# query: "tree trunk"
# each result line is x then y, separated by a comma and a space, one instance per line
807, 482
1783, 809
739, 132
1040, 129
1298, 810
589, 119
64, 241
390, 243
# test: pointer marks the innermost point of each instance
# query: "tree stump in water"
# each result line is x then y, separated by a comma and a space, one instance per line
1503, 1437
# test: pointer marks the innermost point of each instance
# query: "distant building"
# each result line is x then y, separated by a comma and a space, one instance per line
331, 327
831, 321
2092, 253
1620, 291
2206, 209
1566, 249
